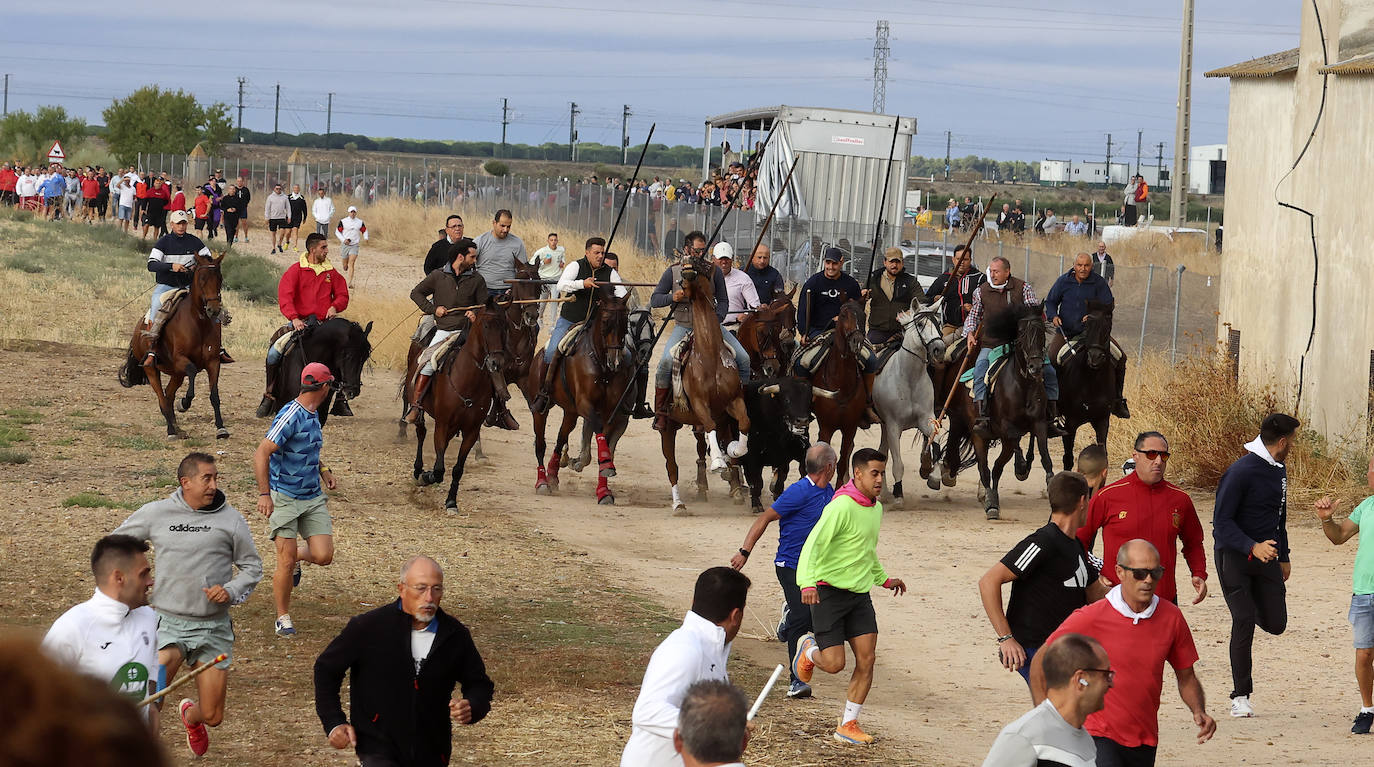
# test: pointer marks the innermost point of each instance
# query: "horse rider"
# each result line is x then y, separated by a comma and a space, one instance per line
821, 299
959, 298
310, 291
437, 258
1002, 293
668, 292
450, 294
640, 337
768, 282
171, 260
742, 296
578, 280
1067, 307
896, 288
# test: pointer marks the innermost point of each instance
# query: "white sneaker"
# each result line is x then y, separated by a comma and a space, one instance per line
284, 627
1241, 708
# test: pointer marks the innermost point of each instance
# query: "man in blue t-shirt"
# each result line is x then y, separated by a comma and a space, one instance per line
288, 470
797, 511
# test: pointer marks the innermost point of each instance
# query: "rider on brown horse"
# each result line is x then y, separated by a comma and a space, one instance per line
309, 292
578, 280
821, 299
171, 260
1067, 306
896, 288
1001, 293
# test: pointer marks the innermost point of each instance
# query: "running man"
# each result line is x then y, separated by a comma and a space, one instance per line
1361, 615
837, 567
277, 211
797, 510
351, 231
111, 636
200, 540
288, 471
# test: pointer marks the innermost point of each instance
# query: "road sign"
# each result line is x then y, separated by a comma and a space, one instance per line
56, 154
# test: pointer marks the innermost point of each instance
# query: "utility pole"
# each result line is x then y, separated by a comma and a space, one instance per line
625, 135
505, 120
1140, 134
329, 122
276, 111
948, 135
1109, 162
573, 112
7, 95
242, 80
880, 52
1159, 173
1179, 178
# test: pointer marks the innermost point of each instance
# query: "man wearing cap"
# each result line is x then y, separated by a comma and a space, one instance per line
896, 288
310, 292
288, 471
171, 260
277, 211
821, 299
742, 298
351, 231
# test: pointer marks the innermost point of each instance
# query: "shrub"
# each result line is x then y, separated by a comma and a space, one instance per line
496, 168
350, 146
13, 457
252, 276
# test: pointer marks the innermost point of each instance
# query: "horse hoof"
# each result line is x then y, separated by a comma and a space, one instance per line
174, 436
934, 484
896, 502
427, 478
575, 465
451, 507
1022, 476
222, 433
606, 500
717, 465
947, 480
756, 509
543, 489
993, 513
607, 472
680, 510
183, 406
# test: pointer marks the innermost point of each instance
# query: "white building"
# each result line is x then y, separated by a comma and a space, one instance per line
1070, 172
1206, 169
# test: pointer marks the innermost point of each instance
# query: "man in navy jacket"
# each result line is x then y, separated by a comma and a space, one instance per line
405, 659
1067, 306
1250, 530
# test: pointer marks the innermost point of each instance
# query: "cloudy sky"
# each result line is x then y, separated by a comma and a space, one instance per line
1012, 79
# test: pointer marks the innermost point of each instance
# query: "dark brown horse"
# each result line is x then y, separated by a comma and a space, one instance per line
842, 372
769, 335
460, 395
710, 382
189, 343
1087, 380
590, 384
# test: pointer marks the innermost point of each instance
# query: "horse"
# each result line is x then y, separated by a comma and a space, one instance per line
343, 346
769, 335
903, 394
1017, 405
710, 382
189, 342
842, 371
591, 384
1087, 380
460, 395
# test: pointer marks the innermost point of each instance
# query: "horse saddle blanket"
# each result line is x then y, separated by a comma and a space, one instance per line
807, 359
284, 338
1072, 346
997, 359
886, 351
424, 330
440, 352
171, 298
955, 348
569, 339
678, 356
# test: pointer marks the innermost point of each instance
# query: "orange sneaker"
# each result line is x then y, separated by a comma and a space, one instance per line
197, 737
849, 732
802, 666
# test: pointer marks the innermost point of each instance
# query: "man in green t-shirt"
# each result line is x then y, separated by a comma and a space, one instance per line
1362, 598
837, 567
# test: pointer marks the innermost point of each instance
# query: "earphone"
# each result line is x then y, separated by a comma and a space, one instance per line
1083, 682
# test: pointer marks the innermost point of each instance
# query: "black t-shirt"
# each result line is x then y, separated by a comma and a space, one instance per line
1052, 575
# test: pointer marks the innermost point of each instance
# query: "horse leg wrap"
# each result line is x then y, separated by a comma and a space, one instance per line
739, 447
603, 453
603, 489
677, 498
552, 475
541, 478
717, 463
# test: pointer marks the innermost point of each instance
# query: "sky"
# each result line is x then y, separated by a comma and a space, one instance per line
1010, 79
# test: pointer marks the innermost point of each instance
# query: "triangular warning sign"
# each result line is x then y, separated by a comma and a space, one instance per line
56, 152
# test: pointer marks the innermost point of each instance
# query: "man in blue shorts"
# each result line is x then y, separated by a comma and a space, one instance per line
1362, 597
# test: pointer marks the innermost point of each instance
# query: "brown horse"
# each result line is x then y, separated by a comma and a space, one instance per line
710, 382
460, 395
590, 384
769, 335
842, 371
189, 343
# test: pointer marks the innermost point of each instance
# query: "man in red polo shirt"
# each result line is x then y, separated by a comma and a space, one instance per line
1140, 632
8, 180
310, 291
1144, 505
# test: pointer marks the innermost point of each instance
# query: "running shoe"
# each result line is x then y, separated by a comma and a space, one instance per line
802, 666
285, 627
197, 736
849, 732
799, 689
1241, 708
296, 575
1362, 722
782, 622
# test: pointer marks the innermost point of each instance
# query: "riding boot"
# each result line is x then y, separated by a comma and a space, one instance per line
661, 404
1119, 408
265, 407
982, 426
499, 416
870, 415
224, 357
1055, 425
642, 410
421, 387
543, 399
340, 407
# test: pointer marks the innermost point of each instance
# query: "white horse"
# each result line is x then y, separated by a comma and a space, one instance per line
903, 394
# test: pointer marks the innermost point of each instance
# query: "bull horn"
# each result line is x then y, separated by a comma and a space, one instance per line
823, 393
770, 389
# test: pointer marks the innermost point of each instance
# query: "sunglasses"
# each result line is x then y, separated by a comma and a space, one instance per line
1151, 455
1111, 673
1141, 573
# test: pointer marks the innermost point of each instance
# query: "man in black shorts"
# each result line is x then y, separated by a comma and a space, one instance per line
277, 211
1051, 575
837, 567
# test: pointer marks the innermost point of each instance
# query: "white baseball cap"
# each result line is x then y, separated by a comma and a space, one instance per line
352, 209
723, 250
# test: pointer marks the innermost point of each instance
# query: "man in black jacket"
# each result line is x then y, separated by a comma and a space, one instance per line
404, 659
437, 257
894, 287
959, 299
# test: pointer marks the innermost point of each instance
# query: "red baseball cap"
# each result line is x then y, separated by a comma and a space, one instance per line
315, 375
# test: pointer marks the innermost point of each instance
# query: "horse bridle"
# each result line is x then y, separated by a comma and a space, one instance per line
1030, 367
206, 300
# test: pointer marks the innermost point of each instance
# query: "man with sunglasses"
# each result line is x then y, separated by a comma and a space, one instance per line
1140, 632
668, 292
1144, 505
1077, 678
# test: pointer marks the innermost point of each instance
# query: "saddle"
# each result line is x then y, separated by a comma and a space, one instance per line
569, 339
167, 304
1066, 351
954, 351
809, 356
886, 351
440, 352
424, 330
678, 356
996, 361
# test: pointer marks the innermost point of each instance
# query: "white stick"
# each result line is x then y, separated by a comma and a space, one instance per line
772, 680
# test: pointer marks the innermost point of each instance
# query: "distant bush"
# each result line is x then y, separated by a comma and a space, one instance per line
252, 276
351, 146
496, 168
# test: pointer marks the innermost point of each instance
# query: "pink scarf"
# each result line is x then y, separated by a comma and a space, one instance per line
853, 492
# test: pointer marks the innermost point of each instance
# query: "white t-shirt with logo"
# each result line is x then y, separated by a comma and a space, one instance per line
103, 638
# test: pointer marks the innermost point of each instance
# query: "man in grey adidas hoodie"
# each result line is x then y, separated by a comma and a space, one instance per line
199, 540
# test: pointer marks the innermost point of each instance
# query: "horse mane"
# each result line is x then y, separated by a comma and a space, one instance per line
1006, 324
1099, 306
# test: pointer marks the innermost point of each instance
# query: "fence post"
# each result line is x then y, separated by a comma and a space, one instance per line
1178, 295
1144, 315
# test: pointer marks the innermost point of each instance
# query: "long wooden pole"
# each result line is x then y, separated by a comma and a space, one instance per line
630, 190
773, 209
882, 203
160, 694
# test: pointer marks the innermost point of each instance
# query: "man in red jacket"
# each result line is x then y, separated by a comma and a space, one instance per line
310, 292
8, 180
1144, 505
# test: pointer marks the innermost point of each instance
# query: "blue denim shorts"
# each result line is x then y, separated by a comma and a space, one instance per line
1362, 620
